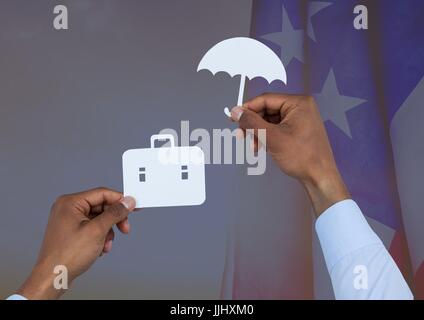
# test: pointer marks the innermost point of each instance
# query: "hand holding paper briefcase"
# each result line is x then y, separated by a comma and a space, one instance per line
164, 176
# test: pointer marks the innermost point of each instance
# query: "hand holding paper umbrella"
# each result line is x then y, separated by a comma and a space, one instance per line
246, 57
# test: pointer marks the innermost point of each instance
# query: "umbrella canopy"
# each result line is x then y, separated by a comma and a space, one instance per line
246, 57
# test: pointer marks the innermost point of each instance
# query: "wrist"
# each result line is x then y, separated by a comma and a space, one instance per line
40, 285
324, 190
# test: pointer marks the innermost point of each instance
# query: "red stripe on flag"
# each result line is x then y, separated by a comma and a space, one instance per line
419, 283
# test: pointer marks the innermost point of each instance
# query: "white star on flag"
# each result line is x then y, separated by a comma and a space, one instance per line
333, 106
289, 39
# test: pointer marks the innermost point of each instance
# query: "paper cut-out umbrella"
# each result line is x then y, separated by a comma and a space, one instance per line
246, 57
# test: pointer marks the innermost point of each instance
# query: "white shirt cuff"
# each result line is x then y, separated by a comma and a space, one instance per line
342, 229
16, 297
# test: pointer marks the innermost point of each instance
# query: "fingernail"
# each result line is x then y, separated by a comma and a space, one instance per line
127, 225
128, 202
236, 113
108, 246
239, 134
252, 145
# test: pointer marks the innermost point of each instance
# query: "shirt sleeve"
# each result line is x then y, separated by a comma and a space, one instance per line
16, 297
360, 267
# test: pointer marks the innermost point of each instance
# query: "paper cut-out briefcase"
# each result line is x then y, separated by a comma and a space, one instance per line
164, 176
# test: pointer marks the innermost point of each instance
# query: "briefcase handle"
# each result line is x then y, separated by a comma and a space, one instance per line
162, 137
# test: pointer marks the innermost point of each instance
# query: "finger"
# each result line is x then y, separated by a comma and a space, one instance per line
240, 134
96, 210
254, 143
100, 196
107, 247
95, 198
124, 226
114, 214
268, 103
276, 118
249, 119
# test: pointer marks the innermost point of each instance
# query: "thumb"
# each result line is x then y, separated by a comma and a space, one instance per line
248, 119
114, 214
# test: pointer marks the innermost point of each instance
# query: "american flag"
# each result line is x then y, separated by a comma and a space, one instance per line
369, 86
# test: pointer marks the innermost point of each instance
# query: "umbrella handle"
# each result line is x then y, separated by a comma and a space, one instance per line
241, 90
240, 96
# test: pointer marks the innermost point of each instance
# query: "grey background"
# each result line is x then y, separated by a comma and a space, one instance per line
71, 102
